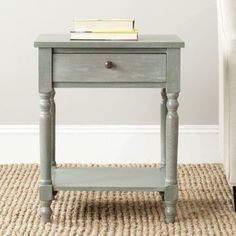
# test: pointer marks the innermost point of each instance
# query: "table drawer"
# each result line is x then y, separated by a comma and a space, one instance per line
109, 68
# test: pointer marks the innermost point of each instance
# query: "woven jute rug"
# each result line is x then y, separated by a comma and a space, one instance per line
205, 206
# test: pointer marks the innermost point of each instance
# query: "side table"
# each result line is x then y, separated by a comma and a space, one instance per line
151, 62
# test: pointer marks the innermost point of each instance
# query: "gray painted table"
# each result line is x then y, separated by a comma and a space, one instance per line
151, 62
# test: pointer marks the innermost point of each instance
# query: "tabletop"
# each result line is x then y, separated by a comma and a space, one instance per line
144, 41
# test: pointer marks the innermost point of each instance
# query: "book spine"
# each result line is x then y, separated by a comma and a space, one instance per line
104, 31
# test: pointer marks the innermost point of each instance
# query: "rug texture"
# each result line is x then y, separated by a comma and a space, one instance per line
205, 206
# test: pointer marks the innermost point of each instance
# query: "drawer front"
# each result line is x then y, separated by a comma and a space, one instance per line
109, 68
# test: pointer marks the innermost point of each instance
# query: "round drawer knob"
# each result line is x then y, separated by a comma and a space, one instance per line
108, 64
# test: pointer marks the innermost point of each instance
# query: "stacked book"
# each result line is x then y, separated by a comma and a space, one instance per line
104, 29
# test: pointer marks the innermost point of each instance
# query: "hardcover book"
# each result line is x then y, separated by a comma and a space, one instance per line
104, 29
84, 25
104, 36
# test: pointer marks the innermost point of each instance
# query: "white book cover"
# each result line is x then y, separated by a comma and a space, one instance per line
96, 25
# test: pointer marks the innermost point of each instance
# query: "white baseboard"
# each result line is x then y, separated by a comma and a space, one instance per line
108, 144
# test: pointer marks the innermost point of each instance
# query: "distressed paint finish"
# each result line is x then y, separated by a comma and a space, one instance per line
53, 127
109, 50
144, 41
108, 85
124, 68
108, 179
45, 182
172, 123
173, 70
46, 123
45, 70
151, 62
163, 111
172, 128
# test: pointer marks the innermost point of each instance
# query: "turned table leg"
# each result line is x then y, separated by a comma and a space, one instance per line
53, 122
163, 111
45, 182
53, 133
171, 189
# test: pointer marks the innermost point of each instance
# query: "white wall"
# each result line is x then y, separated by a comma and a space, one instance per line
194, 21
108, 144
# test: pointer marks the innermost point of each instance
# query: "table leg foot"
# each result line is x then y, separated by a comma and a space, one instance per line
45, 211
170, 211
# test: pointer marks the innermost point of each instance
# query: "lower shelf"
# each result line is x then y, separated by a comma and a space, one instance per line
108, 179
